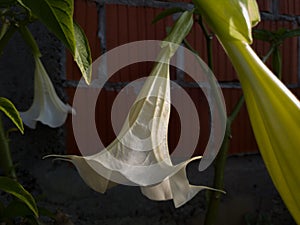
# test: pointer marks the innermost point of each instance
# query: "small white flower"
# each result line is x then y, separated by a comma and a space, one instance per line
47, 107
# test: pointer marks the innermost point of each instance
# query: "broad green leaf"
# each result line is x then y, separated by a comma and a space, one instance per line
11, 112
166, 13
82, 56
14, 188
57, 15
17, 208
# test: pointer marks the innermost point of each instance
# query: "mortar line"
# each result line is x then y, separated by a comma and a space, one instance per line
148, 3
102, 27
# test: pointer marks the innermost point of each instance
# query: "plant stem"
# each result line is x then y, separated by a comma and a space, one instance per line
6, 162
220, 162
208, 37
214, 197
6, 37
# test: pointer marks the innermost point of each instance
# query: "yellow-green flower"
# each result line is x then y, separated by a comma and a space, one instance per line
274, 111
46, 107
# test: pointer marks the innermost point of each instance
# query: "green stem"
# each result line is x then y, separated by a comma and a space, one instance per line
220, 162
5, 156
277, 62
29, 39
215, 197
6, 37
236, 110
208, 37
270, 52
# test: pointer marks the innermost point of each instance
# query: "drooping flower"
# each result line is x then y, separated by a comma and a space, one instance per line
274, 111
46, 107
140, 155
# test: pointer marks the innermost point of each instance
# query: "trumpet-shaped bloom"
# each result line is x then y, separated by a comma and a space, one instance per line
47, 107
274, 111
140, 155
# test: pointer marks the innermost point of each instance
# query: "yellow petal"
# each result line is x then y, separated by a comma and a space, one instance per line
274, 111
275, 116
230, 19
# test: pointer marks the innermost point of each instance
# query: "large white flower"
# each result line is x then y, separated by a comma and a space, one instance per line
140, 155
47, 107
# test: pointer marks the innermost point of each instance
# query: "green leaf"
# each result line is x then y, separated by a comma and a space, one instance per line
263, 35
10, 111
17, 208
57, 15
14, 188
166, 13
83, 56
292, 33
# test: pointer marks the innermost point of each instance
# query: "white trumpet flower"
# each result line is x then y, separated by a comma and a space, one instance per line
140, 155
47, 107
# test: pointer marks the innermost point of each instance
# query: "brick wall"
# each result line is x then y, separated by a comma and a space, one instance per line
109, 24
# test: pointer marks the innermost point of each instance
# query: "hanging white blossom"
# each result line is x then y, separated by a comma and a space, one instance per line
140, 155
46, 107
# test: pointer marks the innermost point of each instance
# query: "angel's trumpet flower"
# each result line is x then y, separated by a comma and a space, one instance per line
140, 155
274, 111
46, 107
